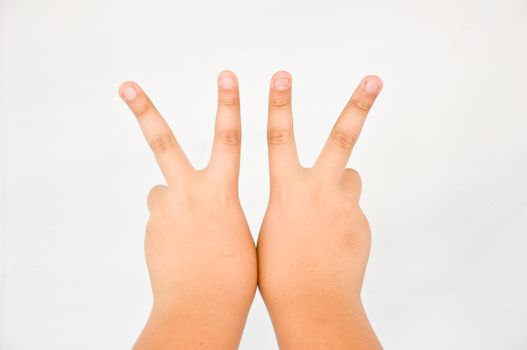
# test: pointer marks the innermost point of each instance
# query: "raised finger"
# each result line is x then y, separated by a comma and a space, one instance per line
344, 135
171, 159
283, 158
225, 156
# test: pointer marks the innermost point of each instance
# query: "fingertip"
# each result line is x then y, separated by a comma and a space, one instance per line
227, 79
282, 73
227, 72
129, 90
372, 83
281, 80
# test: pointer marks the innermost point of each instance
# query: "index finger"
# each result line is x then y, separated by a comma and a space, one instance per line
344, 135
169, 155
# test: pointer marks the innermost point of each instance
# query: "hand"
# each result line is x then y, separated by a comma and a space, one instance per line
315, 240
199, 251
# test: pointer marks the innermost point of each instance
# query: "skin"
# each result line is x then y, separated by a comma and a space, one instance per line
313, 245
314, 241
199, 251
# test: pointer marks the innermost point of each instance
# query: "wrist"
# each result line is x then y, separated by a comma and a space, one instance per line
321, 321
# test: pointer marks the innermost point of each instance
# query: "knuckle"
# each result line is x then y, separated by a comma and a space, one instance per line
281, 196
280, 101
162, 143
226, 198
229, 100
360, 105
216, 193
278, 137
230, 137
352, 185
318, 197
154, 196
353, 176
343, 139
142, 108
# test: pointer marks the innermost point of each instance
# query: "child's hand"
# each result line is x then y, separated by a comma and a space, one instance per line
199, 251
315, 240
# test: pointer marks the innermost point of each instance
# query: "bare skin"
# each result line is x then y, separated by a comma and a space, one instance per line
199, 251
314, 241
313, 245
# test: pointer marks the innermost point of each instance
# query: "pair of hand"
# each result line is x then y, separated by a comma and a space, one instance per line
313, 245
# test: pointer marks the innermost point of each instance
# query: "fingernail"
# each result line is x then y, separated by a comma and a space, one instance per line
227, 82
128, 93
281, 83
371, 86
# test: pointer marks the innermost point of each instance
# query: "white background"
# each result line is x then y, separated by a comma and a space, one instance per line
442, 156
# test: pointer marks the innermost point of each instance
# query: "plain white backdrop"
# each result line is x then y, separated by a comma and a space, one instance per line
442, 155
